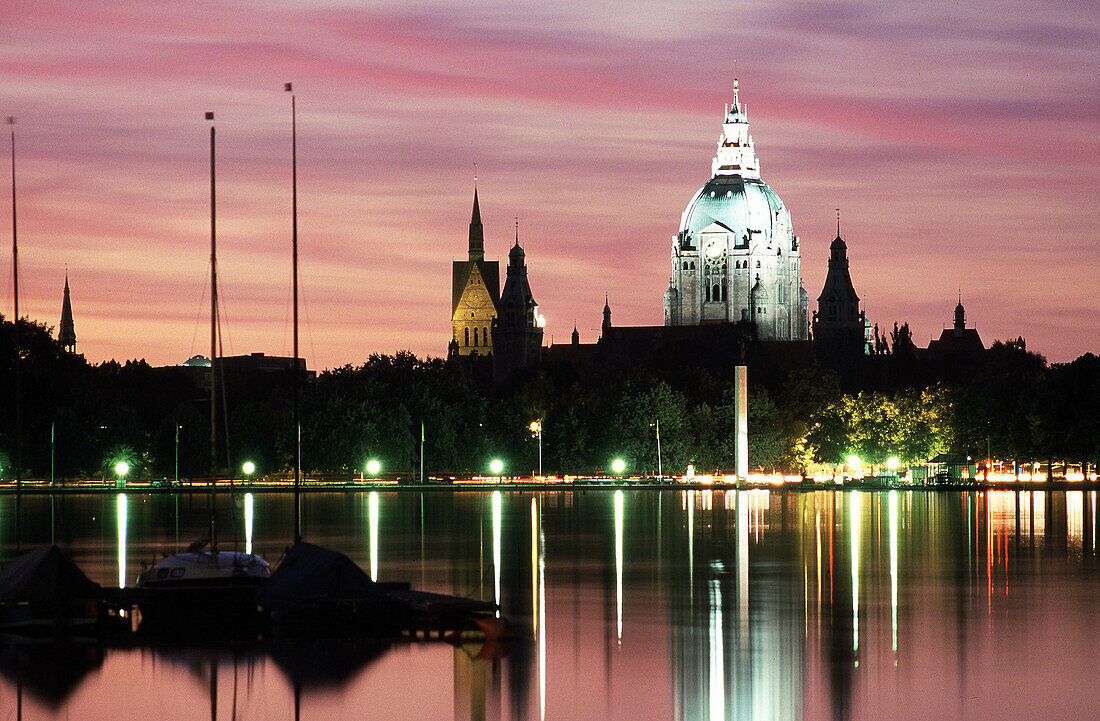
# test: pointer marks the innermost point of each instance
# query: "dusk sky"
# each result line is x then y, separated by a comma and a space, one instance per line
960, 140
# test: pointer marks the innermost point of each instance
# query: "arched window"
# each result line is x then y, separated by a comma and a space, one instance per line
758, 264
724, 289
685, 265
708, 293
466, 332
485, 336
693, 265
716, 293
475, 336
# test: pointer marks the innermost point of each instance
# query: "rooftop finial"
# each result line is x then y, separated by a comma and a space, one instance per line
475, 176
838, 222
517, 230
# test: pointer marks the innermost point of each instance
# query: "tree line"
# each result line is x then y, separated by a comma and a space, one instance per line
894, 404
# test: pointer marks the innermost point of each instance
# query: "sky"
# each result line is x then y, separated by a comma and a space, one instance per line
960, 140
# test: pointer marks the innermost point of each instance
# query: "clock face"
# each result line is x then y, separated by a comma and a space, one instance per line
475, 297
714, 250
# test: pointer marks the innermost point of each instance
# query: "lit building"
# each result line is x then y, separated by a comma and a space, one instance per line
736, 256
475, 285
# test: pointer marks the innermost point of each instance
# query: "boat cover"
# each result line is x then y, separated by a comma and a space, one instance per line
310, 572
47, 579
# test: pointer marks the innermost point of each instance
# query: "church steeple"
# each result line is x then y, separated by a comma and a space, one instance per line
477, 233
66, 334
960, 317
606, 315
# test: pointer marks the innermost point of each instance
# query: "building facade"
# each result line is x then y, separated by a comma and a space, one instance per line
736, 256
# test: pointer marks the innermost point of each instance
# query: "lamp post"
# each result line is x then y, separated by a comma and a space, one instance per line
178, 427
660, 471
248, 468
536, 428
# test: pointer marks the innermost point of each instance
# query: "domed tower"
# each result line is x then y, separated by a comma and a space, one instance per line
734, 230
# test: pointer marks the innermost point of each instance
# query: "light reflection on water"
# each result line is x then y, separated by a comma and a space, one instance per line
630, 605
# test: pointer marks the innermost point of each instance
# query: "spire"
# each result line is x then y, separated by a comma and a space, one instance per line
606, 315
960, 315
576, 337
66, 334
477, 232
736, 154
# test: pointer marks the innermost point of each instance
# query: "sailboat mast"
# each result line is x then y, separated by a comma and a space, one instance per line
294, 272
213, 332
15, 323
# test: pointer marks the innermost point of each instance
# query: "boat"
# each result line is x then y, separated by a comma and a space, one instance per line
203, 590
316, 591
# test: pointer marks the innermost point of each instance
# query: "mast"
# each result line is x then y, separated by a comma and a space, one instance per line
294, 272
213, 335
15, 324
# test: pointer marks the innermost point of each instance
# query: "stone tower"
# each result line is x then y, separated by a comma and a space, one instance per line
517, 330
736, 235
475, 284
839, 325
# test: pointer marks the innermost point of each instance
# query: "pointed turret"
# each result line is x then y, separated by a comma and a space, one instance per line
576, 337
960, 317
736, 154
66, 334
477, 233
606, 315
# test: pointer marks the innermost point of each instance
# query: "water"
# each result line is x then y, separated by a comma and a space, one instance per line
630, 605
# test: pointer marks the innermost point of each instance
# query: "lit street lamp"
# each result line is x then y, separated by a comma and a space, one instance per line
373, 467
249, 468
536, 428
121, 469
496, 466
618, 466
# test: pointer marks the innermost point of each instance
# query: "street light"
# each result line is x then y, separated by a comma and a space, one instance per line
121, 469
618, 466
892, 463
536, 428
249, 468
496, 466
373, 467
660, 472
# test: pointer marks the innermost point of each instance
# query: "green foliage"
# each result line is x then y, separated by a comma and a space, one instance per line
1009, 399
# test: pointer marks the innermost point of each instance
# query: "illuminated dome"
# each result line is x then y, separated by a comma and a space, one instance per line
736, 257
743, 207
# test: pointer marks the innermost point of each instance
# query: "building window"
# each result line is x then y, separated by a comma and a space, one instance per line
475, 336
485, 336
708, 293
758, 264
723, 289
685, 265
466, 332
693, 265
716, 293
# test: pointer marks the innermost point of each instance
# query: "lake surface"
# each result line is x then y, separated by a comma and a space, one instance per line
630, 605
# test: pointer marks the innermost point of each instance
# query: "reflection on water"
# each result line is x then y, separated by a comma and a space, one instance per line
694, 605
